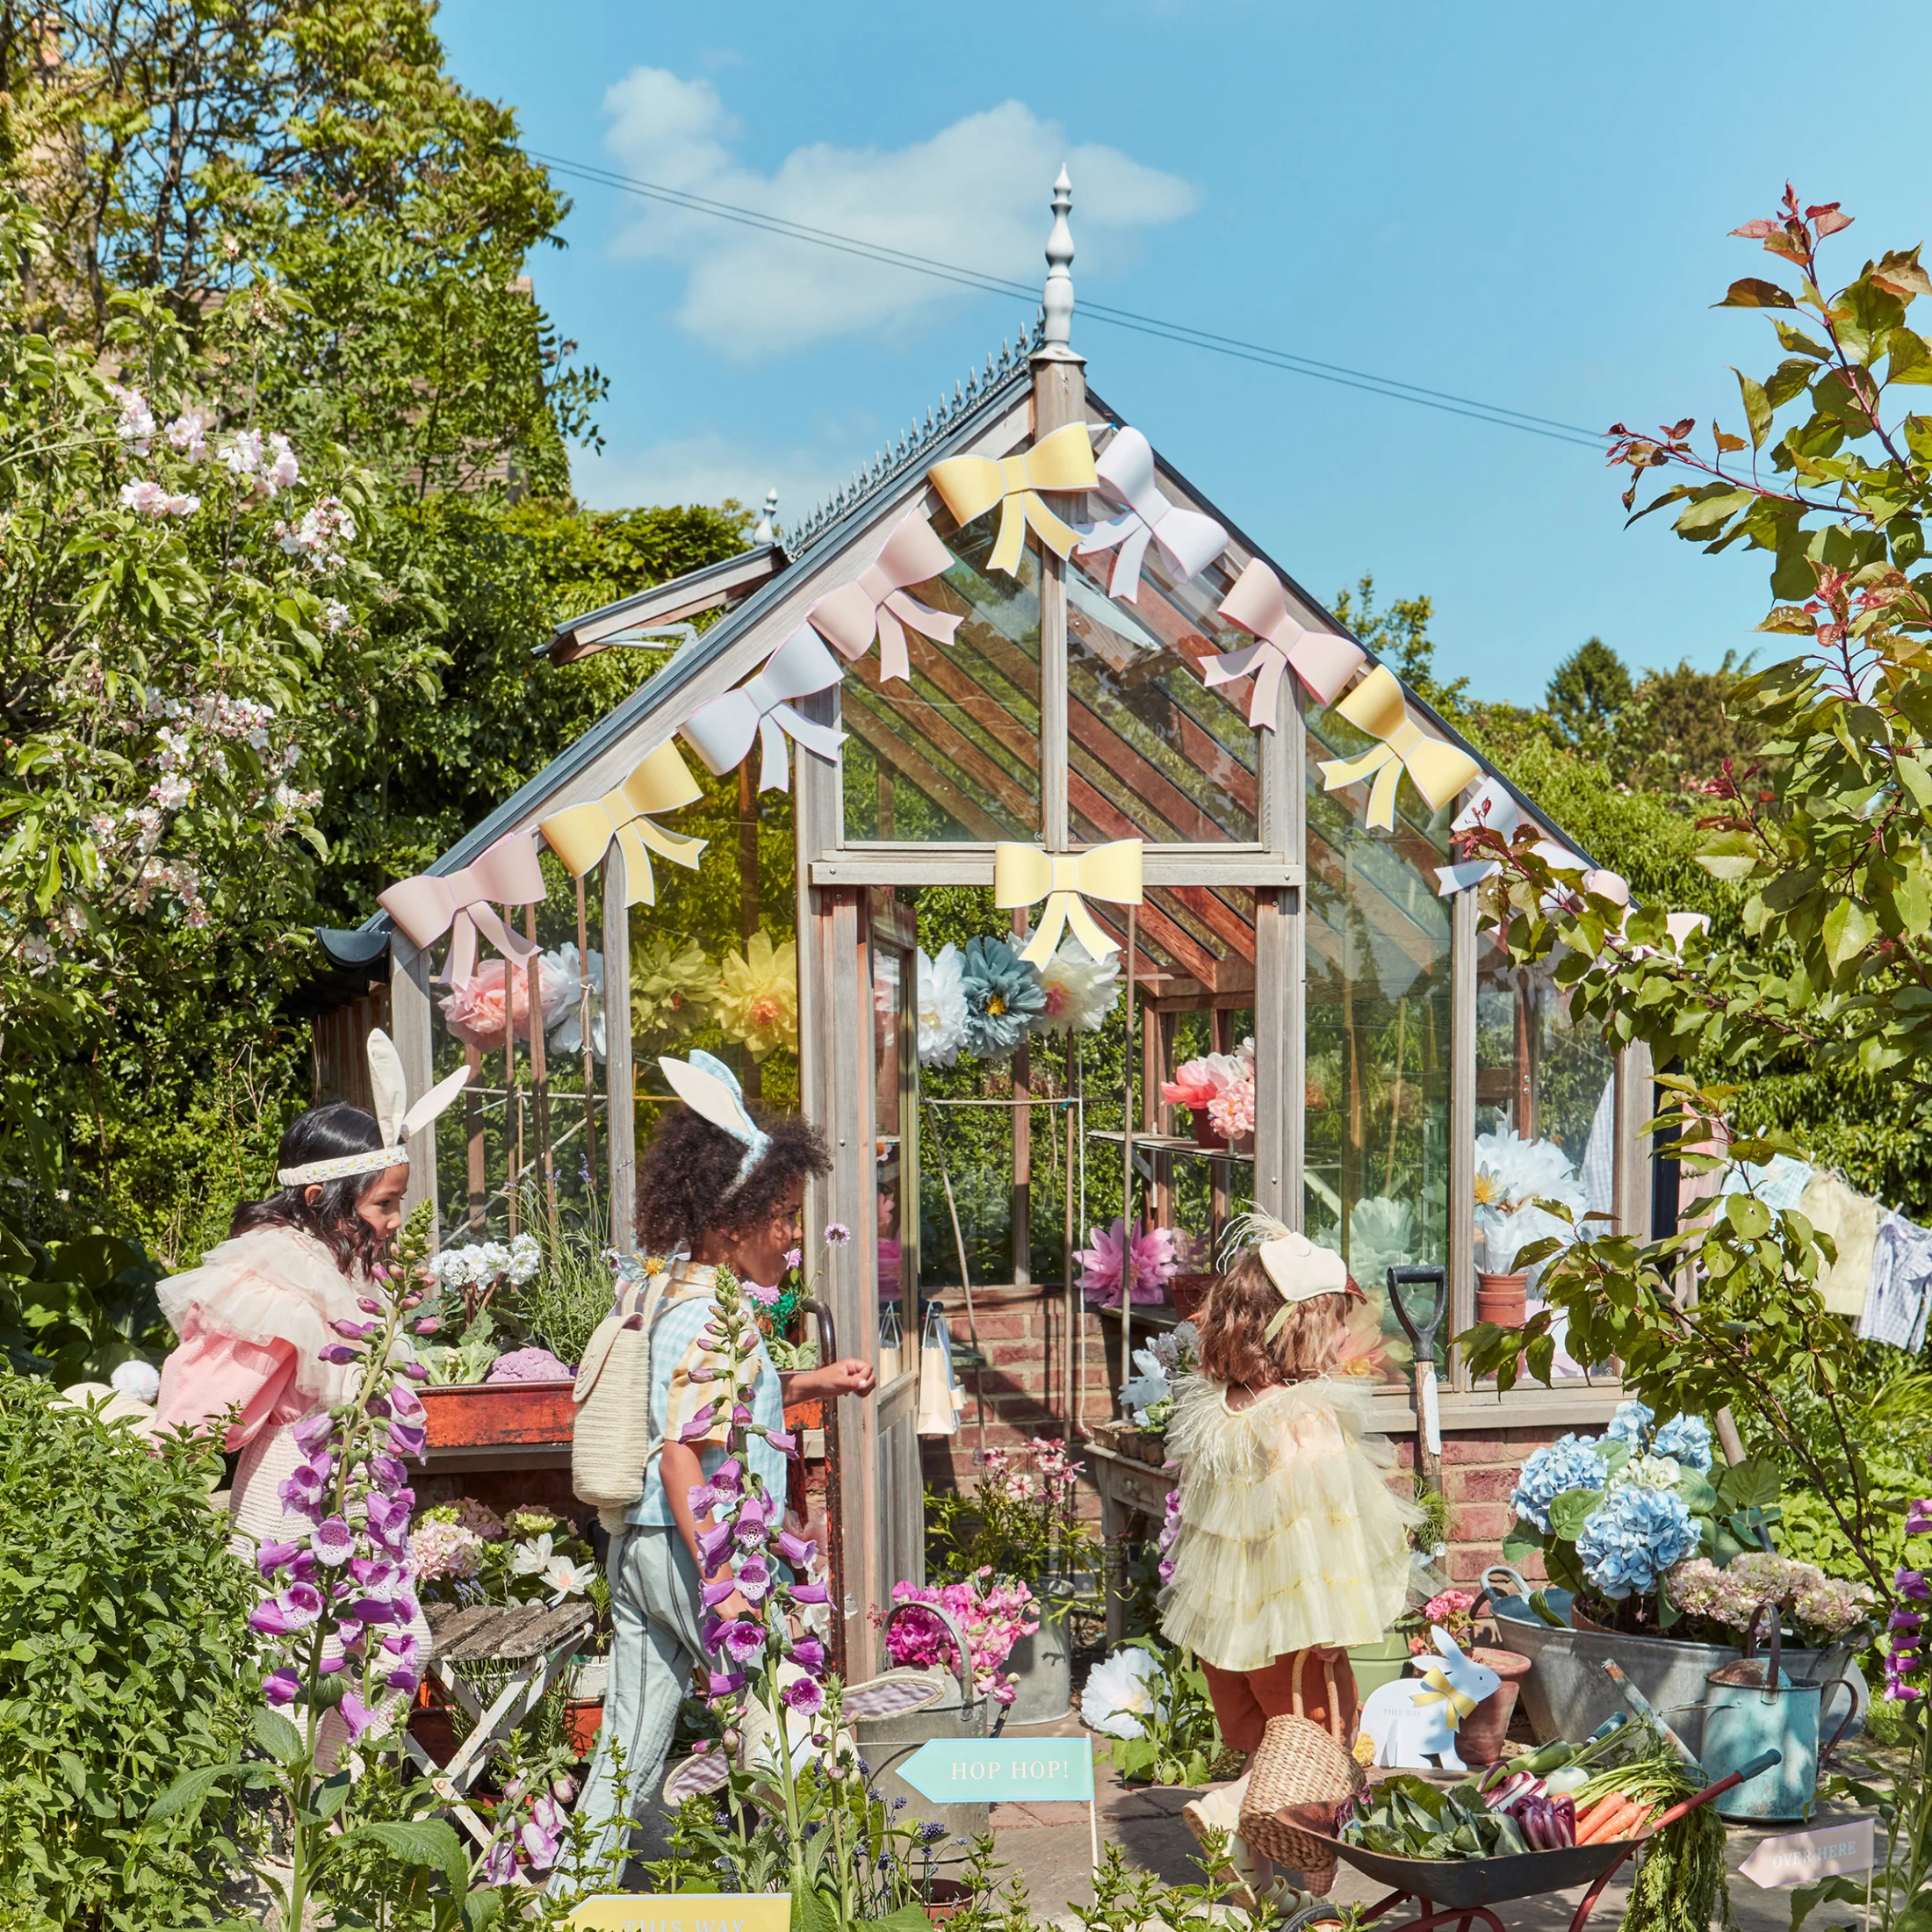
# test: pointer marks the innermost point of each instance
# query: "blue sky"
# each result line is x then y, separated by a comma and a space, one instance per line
1531, 211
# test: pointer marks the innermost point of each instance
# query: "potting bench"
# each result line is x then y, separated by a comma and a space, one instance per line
1129, 1487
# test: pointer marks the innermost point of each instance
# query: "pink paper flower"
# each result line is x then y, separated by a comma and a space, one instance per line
1101, 1265
476, 1010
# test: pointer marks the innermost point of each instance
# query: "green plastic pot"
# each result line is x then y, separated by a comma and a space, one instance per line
1379, 1663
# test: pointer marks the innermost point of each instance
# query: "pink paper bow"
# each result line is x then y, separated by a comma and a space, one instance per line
849, 617
1322, 660
463, 904
721, 732
1189, 541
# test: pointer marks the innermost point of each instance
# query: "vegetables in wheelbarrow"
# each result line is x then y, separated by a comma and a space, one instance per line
1546, 1822
1407, 1818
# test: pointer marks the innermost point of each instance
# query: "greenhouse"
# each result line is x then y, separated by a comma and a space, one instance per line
1019, 689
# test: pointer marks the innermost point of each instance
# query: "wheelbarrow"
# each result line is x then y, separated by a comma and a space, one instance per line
1461, 1889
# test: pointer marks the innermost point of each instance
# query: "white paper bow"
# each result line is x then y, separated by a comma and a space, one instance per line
1494, 810
721, 732
1189, 541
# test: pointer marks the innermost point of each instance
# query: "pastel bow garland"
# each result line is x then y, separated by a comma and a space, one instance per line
1189, 541
1322, 660
1438, 771
850, 617
969, 486
722, 732
580, 834
1023, 874
464, 903
1459, 1703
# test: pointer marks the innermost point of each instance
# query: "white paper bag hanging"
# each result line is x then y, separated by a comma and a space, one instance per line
892, 1350
939, 1408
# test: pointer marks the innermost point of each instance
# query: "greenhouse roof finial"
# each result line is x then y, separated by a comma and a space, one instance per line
1057, 306
766, 530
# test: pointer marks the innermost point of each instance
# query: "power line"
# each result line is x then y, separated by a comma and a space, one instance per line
1181, 333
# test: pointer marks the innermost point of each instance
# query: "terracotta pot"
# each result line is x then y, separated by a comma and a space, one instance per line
944, 1897
583, 1719
480, 1414
434, 1728
1187, 1292
1479, 1737
1503, 1299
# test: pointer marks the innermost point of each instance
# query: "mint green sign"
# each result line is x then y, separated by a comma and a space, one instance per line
1001, 1770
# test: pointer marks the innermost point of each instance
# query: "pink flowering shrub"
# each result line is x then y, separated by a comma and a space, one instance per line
992, 1615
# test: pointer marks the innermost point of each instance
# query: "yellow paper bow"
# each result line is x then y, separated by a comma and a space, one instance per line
1440, 1690
1022, 874
580, 834
969, 486
1439, 771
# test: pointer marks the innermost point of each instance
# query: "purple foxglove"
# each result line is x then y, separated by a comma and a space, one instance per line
728, 1479
804, 1695
741, 1414
388, 1473
415, 1371
715, 1593
710, 1631
353, 1331
332, 1540
377, 1576
356, 1714
330, 1666
274, 1556
783, 1440
755, 1578
1905, 1619
405, 1404
407, 1609
339, 1352
387, 1520
699, 1426
704, 1499
303, 1488
743, 1640
408, 1438
811, 1593
810, 1655
314, 1433
796, 1552
562, 1789
429, 1324
282, 1687
1918, 1517
1914, 1585
373, 1610
369, 1304
499, 1862
376, 1406
725, 1682
295, 1609
540, 1845
712, 1545
406, 1681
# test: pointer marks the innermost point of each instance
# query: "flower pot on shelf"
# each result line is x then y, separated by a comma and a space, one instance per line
1378, 1663
1205, 1133
483, 1415
1503, 1299
583, 1719
1479, 1738
944, 1897
433, 1726
1187, 1292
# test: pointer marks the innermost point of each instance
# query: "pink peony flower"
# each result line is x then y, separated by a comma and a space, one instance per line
475, 1011
1153, 1262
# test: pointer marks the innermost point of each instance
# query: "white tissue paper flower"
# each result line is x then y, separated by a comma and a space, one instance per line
1512, 1174
1121, 1691
566, 1577
563, 984
1080, 990
943, 1007
533, 1558
1144, 1390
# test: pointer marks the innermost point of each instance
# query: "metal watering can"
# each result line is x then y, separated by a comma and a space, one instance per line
1750, 1707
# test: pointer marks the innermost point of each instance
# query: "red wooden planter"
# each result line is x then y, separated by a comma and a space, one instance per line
483, 1415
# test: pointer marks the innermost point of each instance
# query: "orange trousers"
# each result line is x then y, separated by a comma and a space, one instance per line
1244, 1700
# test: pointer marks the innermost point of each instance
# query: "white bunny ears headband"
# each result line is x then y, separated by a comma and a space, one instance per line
395, 1118
711, 1090
1298, 1268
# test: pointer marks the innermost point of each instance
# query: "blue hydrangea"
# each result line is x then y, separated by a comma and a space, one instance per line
1686, 1439
1571, 1462
1632, 1538
1632, 1424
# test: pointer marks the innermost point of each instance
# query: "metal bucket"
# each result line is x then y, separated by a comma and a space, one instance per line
1566, 1695
885, 1743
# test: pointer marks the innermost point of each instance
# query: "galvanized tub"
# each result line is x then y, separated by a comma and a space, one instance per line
885, 1743
1041, 1665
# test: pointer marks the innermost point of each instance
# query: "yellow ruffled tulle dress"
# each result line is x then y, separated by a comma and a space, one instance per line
1290, 1536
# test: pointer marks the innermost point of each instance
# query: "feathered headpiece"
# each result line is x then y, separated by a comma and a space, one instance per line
1298, 1268
395, 1118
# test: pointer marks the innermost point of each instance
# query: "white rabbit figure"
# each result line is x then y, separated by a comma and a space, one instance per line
1409, 1721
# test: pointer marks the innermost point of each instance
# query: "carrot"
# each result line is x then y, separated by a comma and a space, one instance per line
1609, 1820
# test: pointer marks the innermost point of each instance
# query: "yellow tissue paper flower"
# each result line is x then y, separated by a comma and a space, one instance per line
757, 1001
673, 986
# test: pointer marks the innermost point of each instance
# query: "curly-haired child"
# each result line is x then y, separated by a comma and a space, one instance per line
1291, 1543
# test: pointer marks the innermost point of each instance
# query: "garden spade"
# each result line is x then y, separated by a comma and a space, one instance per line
1422, 1339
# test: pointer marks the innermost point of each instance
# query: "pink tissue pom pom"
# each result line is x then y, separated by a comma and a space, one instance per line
475, 1010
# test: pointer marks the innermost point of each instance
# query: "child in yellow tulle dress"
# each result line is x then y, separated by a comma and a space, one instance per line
1291, 1540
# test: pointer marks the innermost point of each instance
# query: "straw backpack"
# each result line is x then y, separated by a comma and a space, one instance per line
1298, 1774
611, 1441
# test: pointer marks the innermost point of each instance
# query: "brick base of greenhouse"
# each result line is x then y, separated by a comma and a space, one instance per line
1021, 1332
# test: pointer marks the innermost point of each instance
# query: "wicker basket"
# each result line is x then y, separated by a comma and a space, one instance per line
1299, 1763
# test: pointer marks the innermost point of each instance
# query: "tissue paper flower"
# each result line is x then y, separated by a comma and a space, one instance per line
1570, 1462
1002, 998
943, 1007
476, 1010
1100, 1264
1231, 1111
1080, 991
563, 988
1122, 1691
1512, 1174
672, 985
1632, 1538
757, 995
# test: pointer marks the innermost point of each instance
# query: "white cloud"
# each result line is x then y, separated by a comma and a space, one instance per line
705, 469
974, 195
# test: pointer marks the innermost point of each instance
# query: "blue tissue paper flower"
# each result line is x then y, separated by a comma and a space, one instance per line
1571, 1462
1632, 1424
1003, 996
1633, 1536
1686, 1439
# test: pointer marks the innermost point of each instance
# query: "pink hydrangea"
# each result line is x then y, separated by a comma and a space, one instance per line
529, 1364
443, 1552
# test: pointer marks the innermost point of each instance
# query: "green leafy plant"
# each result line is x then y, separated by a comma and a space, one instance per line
1180, 1741
76, 1310
125, 1660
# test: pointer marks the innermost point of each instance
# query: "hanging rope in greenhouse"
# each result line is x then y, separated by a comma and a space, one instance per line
722, 732
1324, 661
850, 617
463, 904
1023, 874
580, 834
969, 486
1189, 541
1439, 770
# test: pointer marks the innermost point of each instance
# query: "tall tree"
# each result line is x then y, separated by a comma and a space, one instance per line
1591, 686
